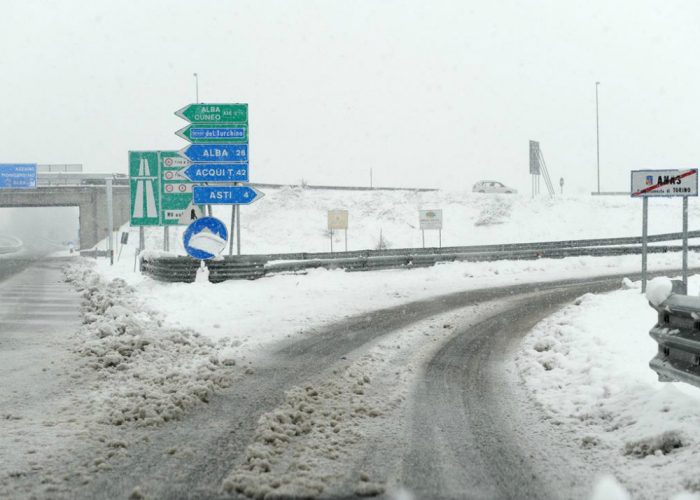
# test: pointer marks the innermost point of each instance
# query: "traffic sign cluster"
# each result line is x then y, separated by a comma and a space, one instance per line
166, 186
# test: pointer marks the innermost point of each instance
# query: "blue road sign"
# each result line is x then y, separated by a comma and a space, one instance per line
216, 172
219, 153
205, 238
225, 195
17, 175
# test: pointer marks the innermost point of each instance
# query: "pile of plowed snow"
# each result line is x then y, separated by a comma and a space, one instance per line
149, 373
588, 367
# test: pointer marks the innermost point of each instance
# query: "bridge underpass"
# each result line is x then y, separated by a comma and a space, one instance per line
90, 200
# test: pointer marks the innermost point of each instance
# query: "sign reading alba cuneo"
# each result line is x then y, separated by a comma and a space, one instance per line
214, 113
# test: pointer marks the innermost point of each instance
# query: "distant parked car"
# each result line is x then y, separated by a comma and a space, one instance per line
492, 187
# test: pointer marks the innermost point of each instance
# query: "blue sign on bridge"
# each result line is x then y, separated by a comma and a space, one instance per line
17, 175
225, 195
219, 153
216, 172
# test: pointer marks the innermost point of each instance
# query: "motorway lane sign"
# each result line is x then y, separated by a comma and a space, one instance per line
214, 113
216, 172
205, 238
159, 194
226, 195
215, 134
664, 183
219, 153
17, 175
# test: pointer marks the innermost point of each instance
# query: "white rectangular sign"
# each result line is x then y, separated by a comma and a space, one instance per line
337, 219
647, 183
430, 219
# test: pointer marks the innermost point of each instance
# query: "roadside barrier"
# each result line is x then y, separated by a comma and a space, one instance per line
184, 269
677, 332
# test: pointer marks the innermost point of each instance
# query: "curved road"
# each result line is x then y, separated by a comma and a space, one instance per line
467, 432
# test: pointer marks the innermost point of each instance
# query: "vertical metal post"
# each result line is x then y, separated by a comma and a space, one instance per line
142, 239
331, 241
645, 225
685, 242
346, 239
233, 225
440, 237
196, 88
110, 220
423, 236
238, 229
597, 135
166, 238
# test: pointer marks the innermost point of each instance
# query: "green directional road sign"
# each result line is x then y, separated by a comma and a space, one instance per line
214, 113
215, 134
159, 193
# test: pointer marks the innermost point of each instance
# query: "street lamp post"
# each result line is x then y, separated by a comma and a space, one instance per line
597, 134
196, 87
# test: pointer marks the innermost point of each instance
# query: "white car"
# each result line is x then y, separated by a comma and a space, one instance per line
492, 187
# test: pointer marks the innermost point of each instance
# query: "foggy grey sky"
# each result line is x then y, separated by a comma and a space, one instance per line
439, 93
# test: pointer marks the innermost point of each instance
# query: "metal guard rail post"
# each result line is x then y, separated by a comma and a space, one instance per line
677, 333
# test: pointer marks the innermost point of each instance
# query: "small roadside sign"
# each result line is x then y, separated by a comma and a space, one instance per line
17, 175
337, 219
205, 238
430, 219
648, 183
190, 214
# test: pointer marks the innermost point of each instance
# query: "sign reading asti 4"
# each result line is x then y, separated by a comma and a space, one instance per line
649, 183
159, 192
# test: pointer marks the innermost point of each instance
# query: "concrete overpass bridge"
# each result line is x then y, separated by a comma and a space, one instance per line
87, 193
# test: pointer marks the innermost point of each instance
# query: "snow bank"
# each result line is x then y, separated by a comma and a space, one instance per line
658, 290
587, 366
148, 373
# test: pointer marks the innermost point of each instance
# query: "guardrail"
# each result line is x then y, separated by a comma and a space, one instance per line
10, 244
184, 269
677, 333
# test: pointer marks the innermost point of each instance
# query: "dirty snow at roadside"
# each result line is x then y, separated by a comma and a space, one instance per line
588, 367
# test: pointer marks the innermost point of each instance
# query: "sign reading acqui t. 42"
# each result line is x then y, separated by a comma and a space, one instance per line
648, 183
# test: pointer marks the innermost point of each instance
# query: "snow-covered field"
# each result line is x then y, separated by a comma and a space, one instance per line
295, 220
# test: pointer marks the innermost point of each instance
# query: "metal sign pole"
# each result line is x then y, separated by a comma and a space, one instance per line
331, 241
110, 220
645, 223
423, 236
142, 239
346, 239
440, 237
238, 229
166, 239
233, 224
685, 242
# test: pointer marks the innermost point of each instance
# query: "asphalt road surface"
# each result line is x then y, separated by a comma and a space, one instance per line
466, 432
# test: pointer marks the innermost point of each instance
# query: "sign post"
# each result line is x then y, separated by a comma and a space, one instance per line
430, 220
664, 183
338, 219
110, 220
